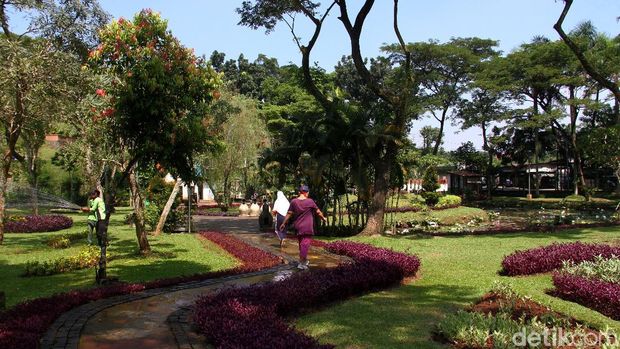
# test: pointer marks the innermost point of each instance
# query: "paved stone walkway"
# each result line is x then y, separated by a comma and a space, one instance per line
158, 318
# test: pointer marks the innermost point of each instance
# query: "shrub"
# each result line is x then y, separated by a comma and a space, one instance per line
251, 317
65, 240
338, 230
37, 223
448, 201
575, 198
429, 180
432, 197
604, 269
86, 258
548, 258
601, 296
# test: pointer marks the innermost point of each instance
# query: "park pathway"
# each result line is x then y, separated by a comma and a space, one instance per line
157, 318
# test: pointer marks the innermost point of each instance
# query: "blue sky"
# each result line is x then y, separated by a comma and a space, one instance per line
208, 25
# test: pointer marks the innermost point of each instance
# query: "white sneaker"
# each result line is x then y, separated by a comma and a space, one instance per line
302, 266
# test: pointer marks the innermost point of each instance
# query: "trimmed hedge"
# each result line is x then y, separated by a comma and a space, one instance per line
548, 258
252, 317
37, 223
601, 296
23, 325
449, 201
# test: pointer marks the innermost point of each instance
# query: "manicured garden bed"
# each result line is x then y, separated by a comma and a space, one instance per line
253, 316
22, 325
37, 223
549, 258
587, 274
504, 319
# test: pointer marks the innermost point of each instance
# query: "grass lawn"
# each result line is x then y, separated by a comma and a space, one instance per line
455, 272
173, 255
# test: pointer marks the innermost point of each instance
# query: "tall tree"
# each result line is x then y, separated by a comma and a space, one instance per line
484, 109
160, 100
446, 71
396, 91
580, 53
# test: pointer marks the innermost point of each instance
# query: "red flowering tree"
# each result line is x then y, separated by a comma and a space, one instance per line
158, 102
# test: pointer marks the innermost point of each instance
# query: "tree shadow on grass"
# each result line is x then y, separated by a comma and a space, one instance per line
158, 269
402, 317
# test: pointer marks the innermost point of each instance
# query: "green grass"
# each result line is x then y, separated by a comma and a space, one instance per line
173, 255
455, 272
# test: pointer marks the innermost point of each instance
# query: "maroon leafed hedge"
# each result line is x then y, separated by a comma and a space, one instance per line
601, 296
253, 317
24, 324
548, 258
37, 223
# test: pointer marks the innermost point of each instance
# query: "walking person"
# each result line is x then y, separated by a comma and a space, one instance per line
303, 210
280, 209
96, 210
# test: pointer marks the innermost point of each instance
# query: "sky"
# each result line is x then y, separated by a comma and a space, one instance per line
208, 25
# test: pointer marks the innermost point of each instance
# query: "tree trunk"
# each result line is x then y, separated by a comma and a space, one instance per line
3, 189
489, 170
442, 123
168, 207
138, 208
580, 179
376, 208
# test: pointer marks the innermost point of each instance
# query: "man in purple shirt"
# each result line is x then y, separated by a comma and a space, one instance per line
303, 209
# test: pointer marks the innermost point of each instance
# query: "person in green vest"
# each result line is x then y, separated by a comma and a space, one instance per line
96, 210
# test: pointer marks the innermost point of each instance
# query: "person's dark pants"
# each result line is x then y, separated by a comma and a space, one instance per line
92, 228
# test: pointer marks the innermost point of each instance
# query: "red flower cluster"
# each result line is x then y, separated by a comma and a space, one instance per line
252, 317
601, 296
548, 258
38, 223
23, 325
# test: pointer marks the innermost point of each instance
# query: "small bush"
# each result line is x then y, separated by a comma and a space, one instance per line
448, 201
431, 198
429, 180
86, 258
575, 198
65, 240
37, 223
417, 200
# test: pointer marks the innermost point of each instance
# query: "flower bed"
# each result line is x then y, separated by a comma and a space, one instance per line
65, 240
37, 223
601, 296
252, 317
87, 258
504, 320
23, 325
548, 258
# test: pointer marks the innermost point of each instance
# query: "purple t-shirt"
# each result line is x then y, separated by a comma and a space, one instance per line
303, 212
